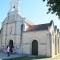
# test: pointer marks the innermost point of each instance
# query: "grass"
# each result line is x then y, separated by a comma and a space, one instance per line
34, 58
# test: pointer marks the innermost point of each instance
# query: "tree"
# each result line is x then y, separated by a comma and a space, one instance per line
54, 7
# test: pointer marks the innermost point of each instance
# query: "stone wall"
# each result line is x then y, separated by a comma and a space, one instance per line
43, 42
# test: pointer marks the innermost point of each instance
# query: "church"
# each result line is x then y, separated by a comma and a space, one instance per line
28, 38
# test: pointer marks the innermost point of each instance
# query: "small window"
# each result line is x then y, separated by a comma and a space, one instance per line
13, 7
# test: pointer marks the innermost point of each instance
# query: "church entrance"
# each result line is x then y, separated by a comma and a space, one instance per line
11, 46
34, 47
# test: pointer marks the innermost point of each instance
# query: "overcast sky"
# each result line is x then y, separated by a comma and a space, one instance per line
34, 10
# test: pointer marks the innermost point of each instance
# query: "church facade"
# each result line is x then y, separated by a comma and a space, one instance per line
27, 38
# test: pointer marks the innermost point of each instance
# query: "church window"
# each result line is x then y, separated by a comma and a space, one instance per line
10, 30
13, 7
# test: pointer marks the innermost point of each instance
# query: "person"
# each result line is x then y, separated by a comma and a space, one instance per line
5, 50
8, 50
12, 50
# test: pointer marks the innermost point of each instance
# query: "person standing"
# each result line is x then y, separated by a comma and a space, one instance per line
8, 50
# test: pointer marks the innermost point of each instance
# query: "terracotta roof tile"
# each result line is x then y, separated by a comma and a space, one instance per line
39, 27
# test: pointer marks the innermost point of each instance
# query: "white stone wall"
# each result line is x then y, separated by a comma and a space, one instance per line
59, 43
43, 42
51, 30
54, 40
12, 30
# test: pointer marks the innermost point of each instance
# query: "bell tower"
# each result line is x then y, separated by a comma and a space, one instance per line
14, 5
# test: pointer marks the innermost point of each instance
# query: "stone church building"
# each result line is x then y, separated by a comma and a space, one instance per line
27, 38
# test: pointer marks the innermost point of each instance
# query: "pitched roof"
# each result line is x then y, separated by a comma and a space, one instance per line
39, 27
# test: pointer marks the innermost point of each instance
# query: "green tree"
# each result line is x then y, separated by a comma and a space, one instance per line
53, 7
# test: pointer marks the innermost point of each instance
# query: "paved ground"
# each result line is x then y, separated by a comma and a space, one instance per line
4, 56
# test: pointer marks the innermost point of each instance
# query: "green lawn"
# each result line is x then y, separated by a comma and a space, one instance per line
35, 58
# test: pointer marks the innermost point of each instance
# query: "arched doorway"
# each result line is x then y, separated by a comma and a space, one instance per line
34, 47
11, 45
11, 42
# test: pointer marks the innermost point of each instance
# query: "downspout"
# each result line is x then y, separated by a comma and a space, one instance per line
21, 37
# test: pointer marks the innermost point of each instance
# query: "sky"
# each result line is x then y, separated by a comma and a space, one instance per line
34, 10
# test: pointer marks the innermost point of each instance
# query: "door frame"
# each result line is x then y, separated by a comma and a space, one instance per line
34, 41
